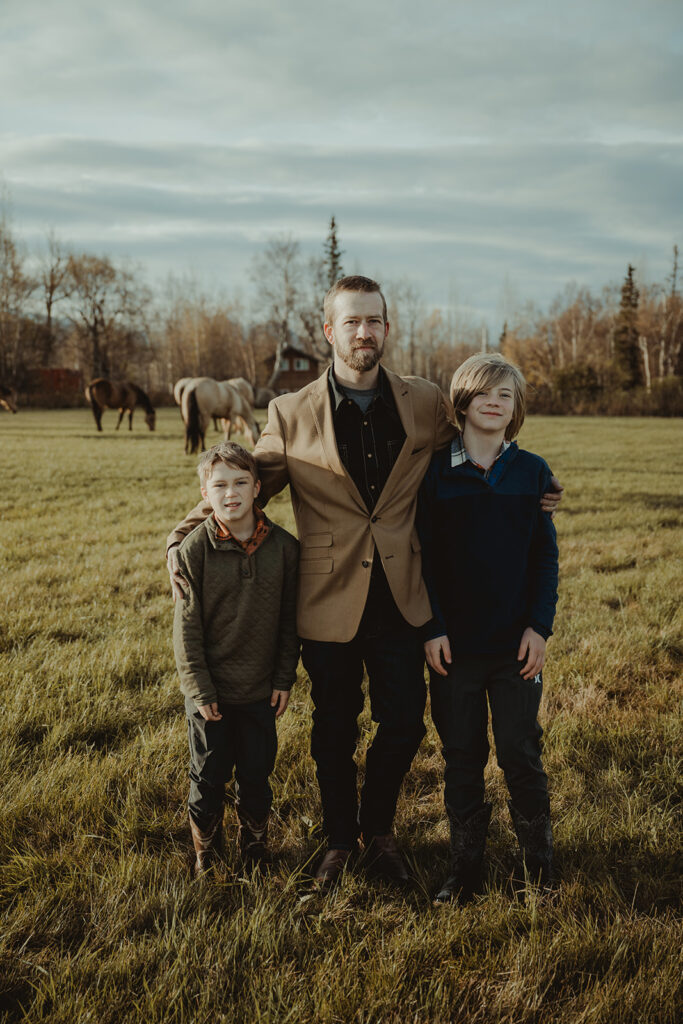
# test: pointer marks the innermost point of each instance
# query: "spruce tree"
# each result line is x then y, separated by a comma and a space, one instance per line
333, 255
626, 352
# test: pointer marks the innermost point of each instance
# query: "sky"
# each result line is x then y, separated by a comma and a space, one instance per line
489, 153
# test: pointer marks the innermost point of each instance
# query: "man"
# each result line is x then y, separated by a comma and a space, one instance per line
354, 446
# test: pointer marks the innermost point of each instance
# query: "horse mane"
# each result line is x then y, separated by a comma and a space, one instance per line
143, 397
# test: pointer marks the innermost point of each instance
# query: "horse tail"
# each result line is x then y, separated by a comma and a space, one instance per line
193, 431
91, 392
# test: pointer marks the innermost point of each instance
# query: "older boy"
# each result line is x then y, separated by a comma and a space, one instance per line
490, 564
236, 650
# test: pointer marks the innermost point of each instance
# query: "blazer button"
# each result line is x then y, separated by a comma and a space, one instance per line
374, 519
365, 563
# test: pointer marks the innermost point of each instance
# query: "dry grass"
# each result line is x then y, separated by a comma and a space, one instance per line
100, 921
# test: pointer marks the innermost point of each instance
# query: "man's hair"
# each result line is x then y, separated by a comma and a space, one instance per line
481, 372
351, 284
231, 454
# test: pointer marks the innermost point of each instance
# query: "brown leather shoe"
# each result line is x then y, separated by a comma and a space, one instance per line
331, 866
208, 844
383, 858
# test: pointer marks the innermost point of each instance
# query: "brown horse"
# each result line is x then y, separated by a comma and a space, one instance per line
204, 398
122, 395
8, 398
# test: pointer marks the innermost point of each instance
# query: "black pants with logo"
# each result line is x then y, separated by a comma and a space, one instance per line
395, 666
460, 714
244, 741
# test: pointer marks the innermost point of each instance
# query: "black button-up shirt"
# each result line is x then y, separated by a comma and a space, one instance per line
369, 444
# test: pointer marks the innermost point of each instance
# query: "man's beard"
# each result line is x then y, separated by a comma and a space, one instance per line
361, 359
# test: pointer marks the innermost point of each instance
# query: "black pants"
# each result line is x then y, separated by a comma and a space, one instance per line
395, 667
460, 714
245, 740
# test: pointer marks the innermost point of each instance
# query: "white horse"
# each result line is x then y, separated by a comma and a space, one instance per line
204, 398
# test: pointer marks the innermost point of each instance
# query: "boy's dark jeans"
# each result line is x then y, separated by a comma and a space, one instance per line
460, 714
244, 740
395, 667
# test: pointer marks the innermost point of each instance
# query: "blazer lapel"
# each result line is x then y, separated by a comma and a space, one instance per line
321, 408
404, 407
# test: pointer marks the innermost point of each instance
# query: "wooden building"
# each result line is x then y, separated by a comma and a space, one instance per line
299, 366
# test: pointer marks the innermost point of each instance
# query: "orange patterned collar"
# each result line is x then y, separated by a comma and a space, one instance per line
261, 531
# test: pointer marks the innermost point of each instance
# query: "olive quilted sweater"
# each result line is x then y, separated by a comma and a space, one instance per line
234, 635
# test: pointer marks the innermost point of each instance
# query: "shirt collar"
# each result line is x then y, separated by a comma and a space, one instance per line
460, 455
339, 395
261, 531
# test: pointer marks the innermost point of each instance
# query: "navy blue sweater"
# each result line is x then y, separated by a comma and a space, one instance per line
489, 554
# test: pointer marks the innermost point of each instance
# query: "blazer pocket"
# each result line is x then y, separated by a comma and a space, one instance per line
416, 451
315, 565
317, 540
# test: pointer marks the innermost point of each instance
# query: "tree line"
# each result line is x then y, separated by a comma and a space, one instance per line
618, 352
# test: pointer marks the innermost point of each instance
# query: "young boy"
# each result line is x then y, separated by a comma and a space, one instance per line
490, 565
236, 651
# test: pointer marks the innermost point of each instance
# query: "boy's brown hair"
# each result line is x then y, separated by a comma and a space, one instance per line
230, 453
351, 284
483, 371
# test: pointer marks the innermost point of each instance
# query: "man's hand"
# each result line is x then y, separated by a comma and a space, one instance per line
177, 578
551, 500
279, 700
532, 645
210, 712
434, 649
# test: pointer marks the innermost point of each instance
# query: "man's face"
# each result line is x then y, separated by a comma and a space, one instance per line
231, 494
358, 330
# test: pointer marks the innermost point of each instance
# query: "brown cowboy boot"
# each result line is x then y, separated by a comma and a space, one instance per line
468, 840
253, 839
208, 844
535, 840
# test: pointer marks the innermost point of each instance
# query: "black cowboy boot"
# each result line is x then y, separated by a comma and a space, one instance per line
535, 840
208, 843
253, 839
468, 839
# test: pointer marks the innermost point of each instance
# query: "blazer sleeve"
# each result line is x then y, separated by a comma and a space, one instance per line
271, 455
193, 518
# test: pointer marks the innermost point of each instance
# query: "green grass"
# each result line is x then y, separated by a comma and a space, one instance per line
100, 919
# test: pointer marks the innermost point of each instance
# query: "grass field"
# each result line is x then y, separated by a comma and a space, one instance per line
100, 921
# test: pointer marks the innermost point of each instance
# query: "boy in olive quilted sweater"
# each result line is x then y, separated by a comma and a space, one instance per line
236, 651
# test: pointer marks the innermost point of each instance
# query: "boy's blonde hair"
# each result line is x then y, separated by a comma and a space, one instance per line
481, 372
230, 453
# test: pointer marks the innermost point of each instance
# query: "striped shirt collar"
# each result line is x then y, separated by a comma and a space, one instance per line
460, 455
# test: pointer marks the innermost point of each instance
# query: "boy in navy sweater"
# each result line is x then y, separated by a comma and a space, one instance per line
490, 565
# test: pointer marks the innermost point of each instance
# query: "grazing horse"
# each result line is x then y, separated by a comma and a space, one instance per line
205, 398
122, 395
185, 382
8, 398
245, 389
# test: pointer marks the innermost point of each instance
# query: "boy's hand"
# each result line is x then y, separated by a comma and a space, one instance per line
436, 649
533, 645
177, 578
549, 501
279, 700
210, 712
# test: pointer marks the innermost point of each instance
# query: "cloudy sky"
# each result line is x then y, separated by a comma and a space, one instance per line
479, 149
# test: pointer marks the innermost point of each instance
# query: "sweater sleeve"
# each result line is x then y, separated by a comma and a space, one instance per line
424, 521
544, 566
287, 656
188, 644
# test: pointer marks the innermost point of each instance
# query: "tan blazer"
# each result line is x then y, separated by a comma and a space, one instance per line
339, 537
